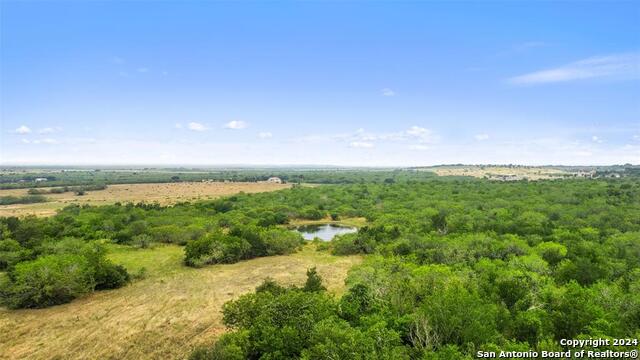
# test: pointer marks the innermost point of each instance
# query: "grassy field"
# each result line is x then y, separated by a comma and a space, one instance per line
162, 316
165, 194
531, 173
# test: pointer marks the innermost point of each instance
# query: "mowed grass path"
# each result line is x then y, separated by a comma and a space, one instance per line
162, 316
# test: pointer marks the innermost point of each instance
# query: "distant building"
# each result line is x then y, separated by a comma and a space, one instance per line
510, 177
585, 174
275, 180
40, 179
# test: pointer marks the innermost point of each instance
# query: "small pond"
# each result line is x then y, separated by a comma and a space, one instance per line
325, 232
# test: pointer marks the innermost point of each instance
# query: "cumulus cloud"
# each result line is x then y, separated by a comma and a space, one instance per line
616, 66
195, 126
361, 144
596, 139
481, 137
236, 125
387, 92
265, 135
22, 130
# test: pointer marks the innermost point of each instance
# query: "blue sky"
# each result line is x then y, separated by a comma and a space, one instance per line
375, 84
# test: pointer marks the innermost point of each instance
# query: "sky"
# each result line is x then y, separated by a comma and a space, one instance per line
319, 83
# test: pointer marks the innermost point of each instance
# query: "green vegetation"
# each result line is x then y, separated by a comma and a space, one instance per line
452, 266
79, 190
457, 267
26, 178
64, 270
240, 244
27, 199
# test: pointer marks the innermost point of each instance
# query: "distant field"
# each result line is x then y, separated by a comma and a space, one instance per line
531, 173
163, 316
165, 194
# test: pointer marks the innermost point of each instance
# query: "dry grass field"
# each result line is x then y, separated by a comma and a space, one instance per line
531, 173
162, 316
163, 193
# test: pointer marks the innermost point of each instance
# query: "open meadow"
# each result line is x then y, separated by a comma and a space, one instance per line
162, 316
162, 193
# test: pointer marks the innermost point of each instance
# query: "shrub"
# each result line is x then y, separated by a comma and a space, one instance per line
281, 242
111, 276
142, 241
314, 281
47, 281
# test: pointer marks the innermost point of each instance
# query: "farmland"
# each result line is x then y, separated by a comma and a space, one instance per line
162, 193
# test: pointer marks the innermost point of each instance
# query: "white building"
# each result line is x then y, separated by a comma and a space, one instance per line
275, 180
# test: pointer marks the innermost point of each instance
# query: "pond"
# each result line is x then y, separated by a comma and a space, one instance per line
325, 232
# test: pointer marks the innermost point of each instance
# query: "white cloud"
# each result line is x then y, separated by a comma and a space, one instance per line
361, 144
178, 125
143, 70
636, 137
265, 135
26, 141
596, 139
236, 125
22, 130
616, 66
481, 137
195, 126
388, 92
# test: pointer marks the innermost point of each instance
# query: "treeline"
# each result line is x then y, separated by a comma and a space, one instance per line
92, 177
79, 190
26, 199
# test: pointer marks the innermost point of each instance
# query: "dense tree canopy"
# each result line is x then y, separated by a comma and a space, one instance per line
453, 266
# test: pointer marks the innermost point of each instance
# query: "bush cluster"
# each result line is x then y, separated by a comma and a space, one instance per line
61, 272
240, 243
